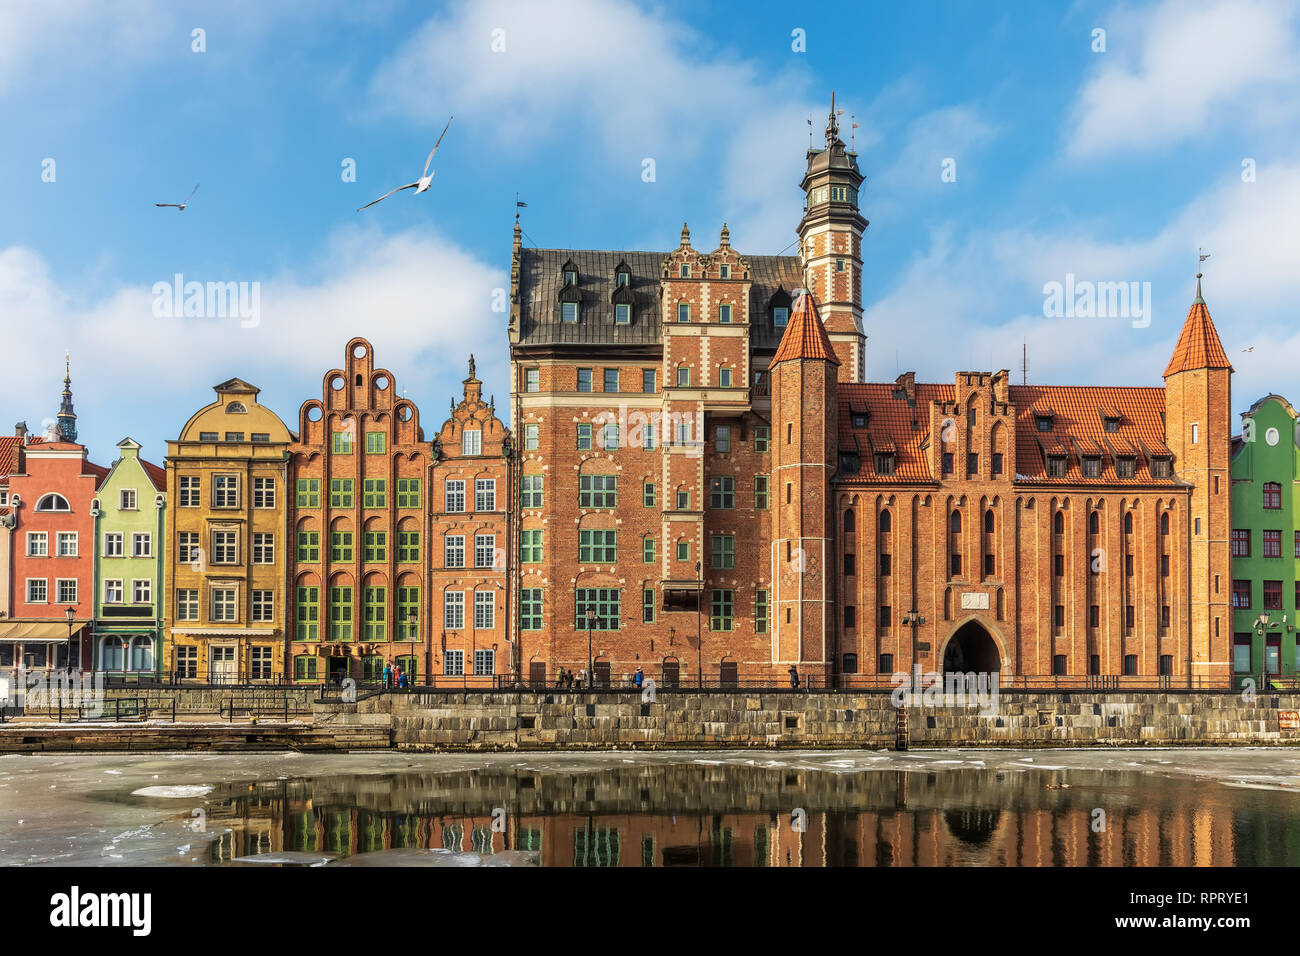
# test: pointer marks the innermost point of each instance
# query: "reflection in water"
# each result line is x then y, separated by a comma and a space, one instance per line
694, 815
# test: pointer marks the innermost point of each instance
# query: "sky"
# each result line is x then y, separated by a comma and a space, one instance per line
1005, 148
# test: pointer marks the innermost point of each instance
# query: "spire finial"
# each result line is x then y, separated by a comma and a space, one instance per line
832, 124
686, 235
67, 417
1200, 257
726, 236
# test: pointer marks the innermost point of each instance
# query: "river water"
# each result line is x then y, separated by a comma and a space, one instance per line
1148, 807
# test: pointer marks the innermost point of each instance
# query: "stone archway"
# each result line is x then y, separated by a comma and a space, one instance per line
972, 648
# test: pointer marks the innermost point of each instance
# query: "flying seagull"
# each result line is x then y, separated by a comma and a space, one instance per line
425, 179
179, 205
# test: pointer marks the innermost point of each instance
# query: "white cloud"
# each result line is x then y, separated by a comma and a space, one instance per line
1186, 68
954, 133
423, 303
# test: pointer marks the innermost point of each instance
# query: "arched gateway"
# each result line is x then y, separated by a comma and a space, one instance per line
971, 648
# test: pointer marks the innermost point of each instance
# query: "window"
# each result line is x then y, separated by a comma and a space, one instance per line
234, 436
484, 611
683, 377
1272, 544
683, 550
187, 663
1128, 616
724, 271
1196, 433
376, 547
208, 436
264, 609
1043, 422
263, 492
972, 463
683, 311
760, 611
598, 491
569, 311
683, 500
604, 601
648, 495
1091, 466
724, 378
408, 547
408, 613
886, 564
1124, 466
187, 604
839, 263
453, 663
611, 380
1164, 527
1241, 653
622, 314
648, 605
1272, 495
223, 604
722, 439
532, 380
408, 492
485, 664
340, 624
263, 547
308, 492
1241, 595
724, 314
126, 499
225, 549
67, 544
113, 591
684, 271
1056, 466
485, 494
530, 609
1094, 615
453, 551
376, 443
884, 462
485, 550
225, 491
597, 547
609, 436
584, 380
722, 551
780, 316
850, 564
374, 620
530, 546
762, 436
722, 609
1058, 615
308, 546
37, 591
340, 492
886, 615
341, 546
342, 443
261, 437
722, 492
997, 463
1164, 565
1160, 468
141, 544
188, 491
530, 494
649, 380
453, 496
531, 431
53, 502
584, 437
947, 463
648, 549
471, 442
1272, 595
38, 544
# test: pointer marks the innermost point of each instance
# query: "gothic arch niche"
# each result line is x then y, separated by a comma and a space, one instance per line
972, 648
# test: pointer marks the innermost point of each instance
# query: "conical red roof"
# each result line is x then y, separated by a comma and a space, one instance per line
1198, 345
805, 337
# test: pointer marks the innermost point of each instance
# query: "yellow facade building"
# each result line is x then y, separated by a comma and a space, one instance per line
227, 541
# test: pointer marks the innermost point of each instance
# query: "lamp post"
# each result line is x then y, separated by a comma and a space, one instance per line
699, 628
591, 619
70, 613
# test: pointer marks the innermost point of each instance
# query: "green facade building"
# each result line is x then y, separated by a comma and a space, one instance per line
130, 546
1265, 543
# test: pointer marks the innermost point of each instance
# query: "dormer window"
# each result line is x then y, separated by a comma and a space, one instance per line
569, 311
1043, 422
1091, 466
236, 408
1055, 466
1160, 468
780, 316
1111, 423
724, 271
622, 314
885, 463
1124, 466
570, 271
859, 420
848, 462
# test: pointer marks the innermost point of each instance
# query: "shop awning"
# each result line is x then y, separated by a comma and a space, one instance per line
38, 632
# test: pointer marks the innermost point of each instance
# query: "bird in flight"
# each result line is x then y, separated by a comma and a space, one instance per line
179, 205
421, 184
1251, 349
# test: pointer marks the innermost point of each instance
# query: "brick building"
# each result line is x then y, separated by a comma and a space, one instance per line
707, 484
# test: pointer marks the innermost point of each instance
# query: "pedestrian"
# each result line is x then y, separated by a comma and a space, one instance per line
794, 677
388, 676
568, 680
403, 682
638, 679
582, 678
559, 681
397, 676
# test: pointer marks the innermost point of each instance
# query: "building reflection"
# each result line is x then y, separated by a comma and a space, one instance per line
741, 816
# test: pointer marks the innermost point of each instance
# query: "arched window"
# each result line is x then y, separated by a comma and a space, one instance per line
848, 520
1272, 495
236, 408
1058, 522
1128, 522
142, 653
885, 521
110, 654
955, 522
1164, 523
988, 521
1094, 523
53, 502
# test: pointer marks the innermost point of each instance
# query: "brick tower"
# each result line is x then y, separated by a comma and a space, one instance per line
804, 458
830, 246
1198, 430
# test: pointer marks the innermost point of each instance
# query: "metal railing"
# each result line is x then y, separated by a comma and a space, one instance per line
255, 707
116, 709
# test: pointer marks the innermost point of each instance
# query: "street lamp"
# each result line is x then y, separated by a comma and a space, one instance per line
70, 613
591, 619
699, 629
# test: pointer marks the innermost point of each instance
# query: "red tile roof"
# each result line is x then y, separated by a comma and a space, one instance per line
1077, 428
1198, 344
9, 451
157, 475
805, 337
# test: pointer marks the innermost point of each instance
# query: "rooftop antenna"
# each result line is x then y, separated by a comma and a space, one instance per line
1024, 363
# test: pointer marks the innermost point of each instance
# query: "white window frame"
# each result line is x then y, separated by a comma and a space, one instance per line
113, 544
453, 488
263, 605
142, 591
126, 500
113, 586
453, 545
485, 610
485, 494
266, 491
484, 545
142, 544
456, 669
474, 445
484, 662
38, 544
45, 590
266, 548
187, 551
453, 610
187, 604
60, 584
216, 602
70, 538
218, 547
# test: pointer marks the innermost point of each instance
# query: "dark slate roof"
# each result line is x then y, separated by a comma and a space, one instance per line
541, 280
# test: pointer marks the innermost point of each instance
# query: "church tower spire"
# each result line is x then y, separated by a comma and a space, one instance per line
67, 417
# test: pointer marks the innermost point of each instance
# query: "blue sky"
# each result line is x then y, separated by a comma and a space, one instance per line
1111, 165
